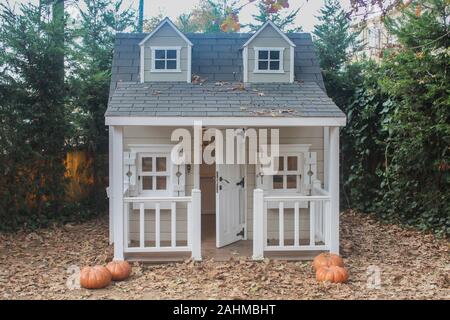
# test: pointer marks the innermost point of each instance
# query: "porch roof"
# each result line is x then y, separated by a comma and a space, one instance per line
221, 99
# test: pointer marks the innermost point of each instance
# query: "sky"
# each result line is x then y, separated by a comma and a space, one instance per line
173, 8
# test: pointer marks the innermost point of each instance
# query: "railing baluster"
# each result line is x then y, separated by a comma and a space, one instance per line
126, 235
281, 223
296, 224
157, 225
265, 235
327, 218
312, 223
173, 221
141, 225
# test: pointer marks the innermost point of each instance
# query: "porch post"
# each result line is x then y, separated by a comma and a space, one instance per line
326, 156
333, 176
117, 174
258, 224
195, 233
110, 186
197, 152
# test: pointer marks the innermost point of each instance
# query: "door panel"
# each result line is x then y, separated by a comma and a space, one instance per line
207, 186
229, 200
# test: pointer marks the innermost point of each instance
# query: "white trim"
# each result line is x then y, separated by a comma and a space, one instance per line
189, 64
178, 59
334, 189
292, 65
226, 121
162, 23
142, 66
245, 201
111, 186
269, 23
154, 249
118, 204
297, 248
281, 60
245, 63
326, 150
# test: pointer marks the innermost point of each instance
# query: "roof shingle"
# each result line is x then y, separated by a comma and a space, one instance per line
217, 57
222, 99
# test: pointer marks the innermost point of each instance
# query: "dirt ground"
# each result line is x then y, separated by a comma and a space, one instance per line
384, 262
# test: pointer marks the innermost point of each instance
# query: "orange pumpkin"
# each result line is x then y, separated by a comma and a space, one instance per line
332, 274
120, 270
327, 260
95, 277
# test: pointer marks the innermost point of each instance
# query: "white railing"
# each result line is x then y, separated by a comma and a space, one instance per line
193, 240
316, 206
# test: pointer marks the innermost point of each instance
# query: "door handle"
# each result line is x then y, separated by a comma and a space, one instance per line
222, 179
241, 183
240, 233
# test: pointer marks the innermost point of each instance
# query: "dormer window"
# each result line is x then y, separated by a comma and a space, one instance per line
268, 56
166, 59
269, 60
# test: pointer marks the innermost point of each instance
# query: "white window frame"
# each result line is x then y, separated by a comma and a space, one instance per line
154, 174
286, 150
178, 59
154, 151
279, 49
285, 173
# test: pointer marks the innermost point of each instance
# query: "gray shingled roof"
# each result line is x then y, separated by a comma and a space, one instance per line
215, 57
222, 99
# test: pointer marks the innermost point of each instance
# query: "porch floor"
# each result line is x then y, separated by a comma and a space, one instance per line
241, 248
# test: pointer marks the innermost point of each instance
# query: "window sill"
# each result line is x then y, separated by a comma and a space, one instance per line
270, 71
166, 71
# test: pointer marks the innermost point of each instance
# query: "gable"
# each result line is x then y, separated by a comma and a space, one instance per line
268, 37
274, 33
168, 29
165, 36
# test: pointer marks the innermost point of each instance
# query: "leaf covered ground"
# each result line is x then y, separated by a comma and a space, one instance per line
408, 265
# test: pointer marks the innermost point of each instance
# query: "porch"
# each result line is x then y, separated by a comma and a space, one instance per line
288, 226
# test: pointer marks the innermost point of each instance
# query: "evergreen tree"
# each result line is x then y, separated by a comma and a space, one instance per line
283, 19
33, 113
333, 37
99, 21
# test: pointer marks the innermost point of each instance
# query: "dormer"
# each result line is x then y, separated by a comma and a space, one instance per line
268, 56
165, 54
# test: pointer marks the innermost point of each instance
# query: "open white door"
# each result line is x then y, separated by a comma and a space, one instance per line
229, 204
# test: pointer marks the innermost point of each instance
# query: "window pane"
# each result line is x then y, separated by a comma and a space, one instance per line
171, 54
171, 64
161, 164
292, 163
147, 183
291, 182
161, 183
160, 54
275, 55
147, 164
263, 65
280, 163
277, 182
263, 54
160, 64
274, 65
